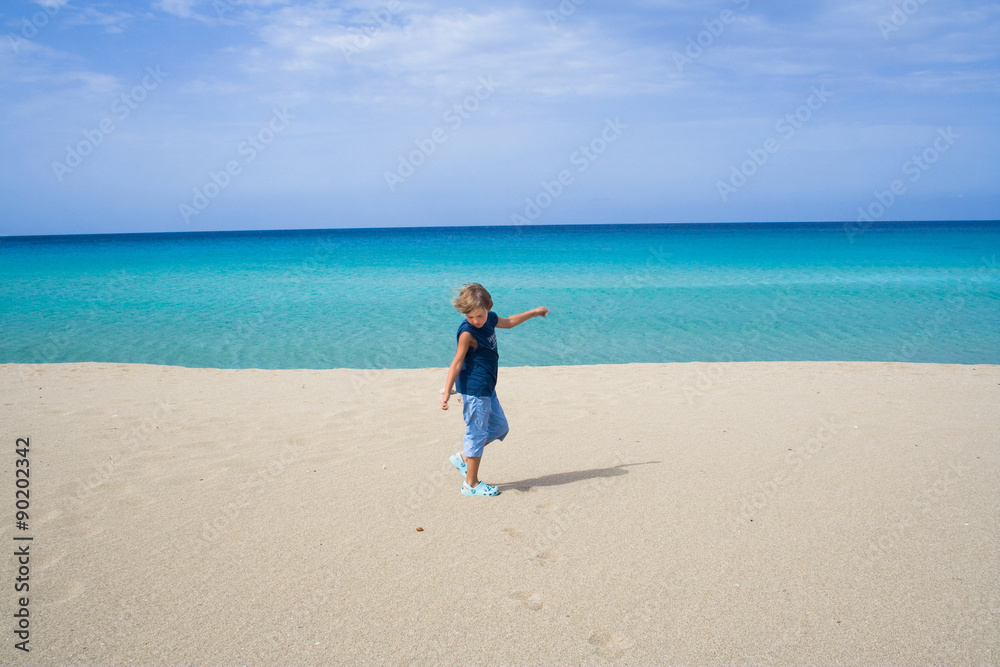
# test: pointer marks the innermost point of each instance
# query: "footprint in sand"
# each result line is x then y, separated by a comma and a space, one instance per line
91, 532
49, 562
529, 599
130, 495
610, 645
51, 516
75, 590
548, 558
545, 508
515, 533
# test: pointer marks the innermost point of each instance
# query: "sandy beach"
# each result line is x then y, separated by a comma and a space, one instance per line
745, 513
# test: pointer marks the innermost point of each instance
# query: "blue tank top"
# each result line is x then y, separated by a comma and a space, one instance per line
478, 376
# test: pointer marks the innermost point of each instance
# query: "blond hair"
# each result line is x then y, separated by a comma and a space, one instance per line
471, 297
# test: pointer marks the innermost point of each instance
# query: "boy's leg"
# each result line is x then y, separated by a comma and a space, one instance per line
498, 427
472, 467
476, 411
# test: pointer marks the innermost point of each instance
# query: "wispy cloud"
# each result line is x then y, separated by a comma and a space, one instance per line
50, 70
113, 22
437, 53
365, 79
181, 8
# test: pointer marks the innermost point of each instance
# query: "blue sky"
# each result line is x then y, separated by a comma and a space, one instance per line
199, 115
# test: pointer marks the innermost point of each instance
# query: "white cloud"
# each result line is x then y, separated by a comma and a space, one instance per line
39, 64
114, 23
935, 49
439, 52
95, 83
213, 87
181, 8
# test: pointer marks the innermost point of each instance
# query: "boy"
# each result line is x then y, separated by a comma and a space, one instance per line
474, 369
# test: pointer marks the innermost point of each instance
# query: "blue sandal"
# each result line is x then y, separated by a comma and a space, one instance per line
459, 463
482, 489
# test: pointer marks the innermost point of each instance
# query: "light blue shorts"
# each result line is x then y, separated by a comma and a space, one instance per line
484, 422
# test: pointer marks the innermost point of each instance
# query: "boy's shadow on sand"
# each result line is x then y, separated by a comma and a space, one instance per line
560, 478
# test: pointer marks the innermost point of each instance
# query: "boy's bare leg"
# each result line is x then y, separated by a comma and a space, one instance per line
472, 470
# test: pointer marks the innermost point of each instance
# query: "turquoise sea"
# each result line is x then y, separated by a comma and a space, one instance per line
380, 298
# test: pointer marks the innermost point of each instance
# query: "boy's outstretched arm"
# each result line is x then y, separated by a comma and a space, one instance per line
464, 341
514, 320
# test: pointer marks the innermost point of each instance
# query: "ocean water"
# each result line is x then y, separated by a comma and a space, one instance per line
922, 292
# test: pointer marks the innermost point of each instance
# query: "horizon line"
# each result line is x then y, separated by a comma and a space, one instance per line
304, 230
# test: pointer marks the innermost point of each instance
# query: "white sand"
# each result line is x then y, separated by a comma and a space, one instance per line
753, 513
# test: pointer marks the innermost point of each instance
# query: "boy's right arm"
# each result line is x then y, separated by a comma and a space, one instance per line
464, 341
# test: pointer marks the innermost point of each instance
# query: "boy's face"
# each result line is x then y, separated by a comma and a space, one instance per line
477, 317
